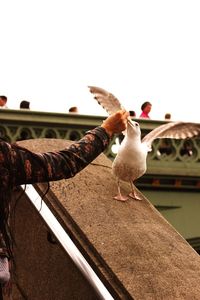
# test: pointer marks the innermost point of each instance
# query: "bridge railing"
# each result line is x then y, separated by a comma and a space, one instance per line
168, 157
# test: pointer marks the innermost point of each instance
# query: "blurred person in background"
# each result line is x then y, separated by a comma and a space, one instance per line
146, 108
132, 113
3, 101
167, 116
73, 109
24, 104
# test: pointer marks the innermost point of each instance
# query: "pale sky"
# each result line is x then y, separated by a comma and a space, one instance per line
140, 50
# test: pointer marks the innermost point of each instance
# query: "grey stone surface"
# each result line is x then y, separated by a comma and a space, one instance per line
134, 250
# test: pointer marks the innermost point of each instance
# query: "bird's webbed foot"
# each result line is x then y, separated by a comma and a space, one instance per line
133, 194
119, 196
134, 197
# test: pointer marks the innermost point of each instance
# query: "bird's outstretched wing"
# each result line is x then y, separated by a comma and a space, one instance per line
107, 100
173, 130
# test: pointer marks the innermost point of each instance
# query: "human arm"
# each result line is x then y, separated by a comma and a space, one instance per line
20, 166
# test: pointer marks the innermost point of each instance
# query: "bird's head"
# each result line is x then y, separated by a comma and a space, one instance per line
133, 129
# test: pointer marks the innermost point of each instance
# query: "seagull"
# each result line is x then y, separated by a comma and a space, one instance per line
130, 162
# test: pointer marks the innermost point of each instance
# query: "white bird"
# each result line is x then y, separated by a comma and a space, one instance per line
130, 161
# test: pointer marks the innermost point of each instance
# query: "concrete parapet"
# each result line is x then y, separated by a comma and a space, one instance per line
135, 252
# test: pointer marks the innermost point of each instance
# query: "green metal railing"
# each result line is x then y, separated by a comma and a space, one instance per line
168, 157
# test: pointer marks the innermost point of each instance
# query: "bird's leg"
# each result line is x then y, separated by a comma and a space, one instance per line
132, 193
119, 195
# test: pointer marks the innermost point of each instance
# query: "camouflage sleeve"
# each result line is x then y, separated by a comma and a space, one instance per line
21, 166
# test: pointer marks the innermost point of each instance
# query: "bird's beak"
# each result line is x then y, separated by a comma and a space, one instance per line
132, 123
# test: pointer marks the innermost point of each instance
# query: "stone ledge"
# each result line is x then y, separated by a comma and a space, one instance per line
134, 250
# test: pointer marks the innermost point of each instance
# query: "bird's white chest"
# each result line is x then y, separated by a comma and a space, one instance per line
130, 162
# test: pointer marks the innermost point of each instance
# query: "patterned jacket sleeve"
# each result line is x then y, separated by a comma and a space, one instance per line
21, 166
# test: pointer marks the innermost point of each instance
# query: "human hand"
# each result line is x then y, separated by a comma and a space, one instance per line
116, 123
